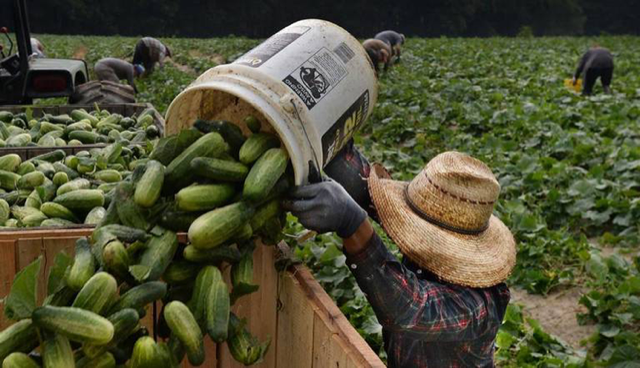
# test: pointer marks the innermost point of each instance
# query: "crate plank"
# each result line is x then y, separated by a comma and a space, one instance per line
295, 325
7, 272
333, 318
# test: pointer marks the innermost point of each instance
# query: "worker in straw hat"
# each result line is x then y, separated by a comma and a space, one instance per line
442, 305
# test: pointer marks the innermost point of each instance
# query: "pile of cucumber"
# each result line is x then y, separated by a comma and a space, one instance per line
76, 128
56, 190
210, 181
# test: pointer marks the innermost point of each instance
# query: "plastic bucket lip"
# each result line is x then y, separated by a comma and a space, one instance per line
265, 106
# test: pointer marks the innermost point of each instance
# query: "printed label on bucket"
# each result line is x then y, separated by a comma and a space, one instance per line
316, 77
269, 48
339, 134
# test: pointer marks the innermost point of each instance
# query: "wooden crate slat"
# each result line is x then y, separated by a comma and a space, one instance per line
295, 325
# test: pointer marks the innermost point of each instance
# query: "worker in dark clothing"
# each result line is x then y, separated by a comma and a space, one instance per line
115, 70
595, 63
379, 52
442, 305
150, 51
393, 39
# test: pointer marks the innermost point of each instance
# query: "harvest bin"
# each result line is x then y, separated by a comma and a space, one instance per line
306, 328
126, 110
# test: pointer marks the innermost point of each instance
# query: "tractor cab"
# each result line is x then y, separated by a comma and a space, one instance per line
23, 76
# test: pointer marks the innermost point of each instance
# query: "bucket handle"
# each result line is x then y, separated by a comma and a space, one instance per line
314, 166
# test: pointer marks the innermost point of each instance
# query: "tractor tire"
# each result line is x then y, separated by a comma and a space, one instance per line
102, 92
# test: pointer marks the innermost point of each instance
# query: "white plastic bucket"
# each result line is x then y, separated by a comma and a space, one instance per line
312, 83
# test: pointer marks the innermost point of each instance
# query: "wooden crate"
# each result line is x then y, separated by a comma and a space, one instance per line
38, 111
306, 328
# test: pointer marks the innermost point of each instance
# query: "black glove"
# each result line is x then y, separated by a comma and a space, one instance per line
325, 207
351, 169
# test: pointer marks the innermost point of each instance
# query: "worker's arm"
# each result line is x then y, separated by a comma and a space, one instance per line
582, 64
399, 298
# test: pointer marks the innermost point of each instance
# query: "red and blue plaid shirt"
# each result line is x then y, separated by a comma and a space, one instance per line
425, 322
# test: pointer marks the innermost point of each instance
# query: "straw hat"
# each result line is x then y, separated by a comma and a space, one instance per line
442, 220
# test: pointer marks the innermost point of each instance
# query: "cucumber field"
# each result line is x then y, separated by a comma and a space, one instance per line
569, 168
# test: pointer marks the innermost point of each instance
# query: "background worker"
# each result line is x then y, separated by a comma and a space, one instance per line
394, 39
595, 63
150, 51
379, 52
115, 70
443, 304
37, 48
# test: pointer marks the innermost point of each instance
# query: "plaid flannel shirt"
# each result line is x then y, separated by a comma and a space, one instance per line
427, 323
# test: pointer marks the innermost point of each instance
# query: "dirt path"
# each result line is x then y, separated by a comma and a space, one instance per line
556, 313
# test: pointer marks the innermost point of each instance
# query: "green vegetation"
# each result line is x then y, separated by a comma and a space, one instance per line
568, 167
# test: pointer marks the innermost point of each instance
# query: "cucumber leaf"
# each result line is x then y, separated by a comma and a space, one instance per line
22, 299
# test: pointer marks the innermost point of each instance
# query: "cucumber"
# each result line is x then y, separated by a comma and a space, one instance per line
52, 156
20, 140
231, 133
214, 256
253, 124
76, 184
215, 227
95, 216
209, 145
56, 222
81, 114
108, 176
141, 295
57, 353
19, 360
26, 167
124, 322
20, 336
84, 137
97, 294
242, 278
83, 266
71, 173
178, 221
105, 360
218, 169
5, 211
181, 271
8, 180
157, 256
10, 162
33, 200
204, 197
81, 199
74, 323
149, 187
184, 326
55, 210
46, 168
60, 178
31, 180
146, 354
264, 174
256, 145
217, 309
264, 213
116, 259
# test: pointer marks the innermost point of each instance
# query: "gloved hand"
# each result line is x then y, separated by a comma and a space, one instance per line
350, 168
325, 207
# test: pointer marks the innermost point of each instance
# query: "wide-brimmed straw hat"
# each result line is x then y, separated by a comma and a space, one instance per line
443, 220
